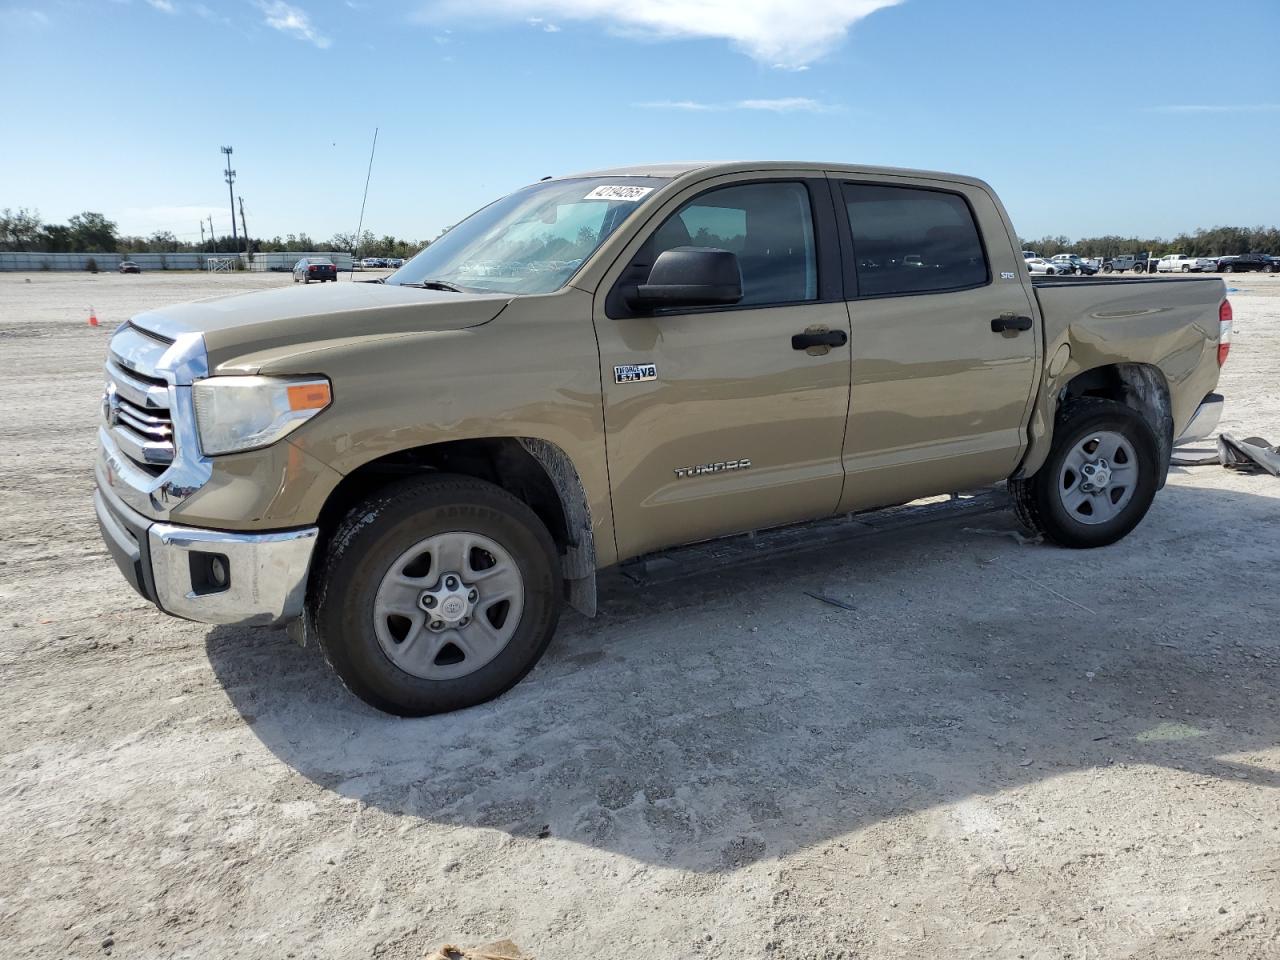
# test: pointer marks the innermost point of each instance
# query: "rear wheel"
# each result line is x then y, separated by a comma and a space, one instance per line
1185, 268
436, 594
1228, 269
1099, 479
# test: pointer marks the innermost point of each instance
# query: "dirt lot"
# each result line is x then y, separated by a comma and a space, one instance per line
1002, 751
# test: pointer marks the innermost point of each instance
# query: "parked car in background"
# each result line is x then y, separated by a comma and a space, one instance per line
1029, 255
1181, 263
395, 263
1123, 263
1042, 267
128, 266
1075, 264
314, 268
1275, 265
1246, 263
373, 263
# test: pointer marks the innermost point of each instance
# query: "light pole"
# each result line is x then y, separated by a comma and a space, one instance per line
231, 192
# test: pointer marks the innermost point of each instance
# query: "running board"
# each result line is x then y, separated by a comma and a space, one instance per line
780, 542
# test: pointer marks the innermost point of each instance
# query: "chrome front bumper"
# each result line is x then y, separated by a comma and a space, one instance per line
1205, 420
264, 577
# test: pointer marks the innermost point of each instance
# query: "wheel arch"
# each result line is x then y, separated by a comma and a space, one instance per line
533, 470
1141, 386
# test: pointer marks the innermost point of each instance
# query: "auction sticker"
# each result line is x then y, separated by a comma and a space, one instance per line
620, 191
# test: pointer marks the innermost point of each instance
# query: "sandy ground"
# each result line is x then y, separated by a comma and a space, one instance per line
1001, 751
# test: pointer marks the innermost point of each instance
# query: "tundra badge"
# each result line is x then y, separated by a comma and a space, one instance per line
635, 372
720, 466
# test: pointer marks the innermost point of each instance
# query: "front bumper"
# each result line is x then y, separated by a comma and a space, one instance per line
1204, 421
211, 576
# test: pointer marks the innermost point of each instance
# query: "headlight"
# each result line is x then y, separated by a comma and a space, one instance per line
245, 413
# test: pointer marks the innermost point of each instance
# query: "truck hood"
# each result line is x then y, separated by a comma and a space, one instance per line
309, 317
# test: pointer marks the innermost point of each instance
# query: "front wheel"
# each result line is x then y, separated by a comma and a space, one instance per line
1185, 268
1228, 269
1099, 479
1108, 268
436, 594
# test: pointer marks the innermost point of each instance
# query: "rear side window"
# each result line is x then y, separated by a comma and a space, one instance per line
909, 240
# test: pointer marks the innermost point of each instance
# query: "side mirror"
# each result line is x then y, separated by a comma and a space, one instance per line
690, 277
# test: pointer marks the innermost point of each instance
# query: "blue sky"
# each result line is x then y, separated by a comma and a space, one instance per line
1088, 118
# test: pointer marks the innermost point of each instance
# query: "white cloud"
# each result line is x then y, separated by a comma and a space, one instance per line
786, 105
33, 16
164, 6
775, 105
290, 19
1220, 108
781, 33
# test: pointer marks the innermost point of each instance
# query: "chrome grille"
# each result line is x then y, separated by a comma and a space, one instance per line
135, 408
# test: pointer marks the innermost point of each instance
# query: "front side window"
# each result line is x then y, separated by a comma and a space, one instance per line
909, 240
531, 241
769, 226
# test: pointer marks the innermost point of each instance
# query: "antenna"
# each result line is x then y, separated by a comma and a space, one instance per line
355, 253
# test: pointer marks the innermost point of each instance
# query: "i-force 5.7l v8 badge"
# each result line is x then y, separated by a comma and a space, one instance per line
635, 372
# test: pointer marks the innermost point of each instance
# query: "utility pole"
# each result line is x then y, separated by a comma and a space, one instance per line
231, 192
245, 228
201, 234
213, 237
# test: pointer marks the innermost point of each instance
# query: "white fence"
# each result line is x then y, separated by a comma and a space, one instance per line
34, 262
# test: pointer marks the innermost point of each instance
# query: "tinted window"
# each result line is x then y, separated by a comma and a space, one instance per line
768, 225
907, 240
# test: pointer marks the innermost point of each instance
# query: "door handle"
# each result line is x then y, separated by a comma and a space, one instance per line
1008, 321
829, 338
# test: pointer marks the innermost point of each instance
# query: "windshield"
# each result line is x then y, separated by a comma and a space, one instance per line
531, 241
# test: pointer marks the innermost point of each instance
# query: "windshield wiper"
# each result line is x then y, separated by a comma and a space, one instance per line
434, 285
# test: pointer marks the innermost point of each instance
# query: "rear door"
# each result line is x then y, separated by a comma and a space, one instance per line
716, 422
945, 354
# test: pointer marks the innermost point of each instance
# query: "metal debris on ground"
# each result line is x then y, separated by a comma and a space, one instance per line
1016, 535
1251, 455
831, 600
501, 950
1035, 582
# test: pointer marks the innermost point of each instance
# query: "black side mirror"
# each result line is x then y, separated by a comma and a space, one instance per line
690, 277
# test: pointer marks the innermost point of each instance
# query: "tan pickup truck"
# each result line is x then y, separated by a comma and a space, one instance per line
596, 367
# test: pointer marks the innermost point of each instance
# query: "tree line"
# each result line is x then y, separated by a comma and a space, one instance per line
1214, 242
89, 232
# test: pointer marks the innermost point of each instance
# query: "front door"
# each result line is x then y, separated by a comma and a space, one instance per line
715, 421
940, 394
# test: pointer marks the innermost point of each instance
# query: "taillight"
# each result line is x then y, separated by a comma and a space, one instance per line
1224, 331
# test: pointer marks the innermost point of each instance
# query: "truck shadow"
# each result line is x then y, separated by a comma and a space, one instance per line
713, 720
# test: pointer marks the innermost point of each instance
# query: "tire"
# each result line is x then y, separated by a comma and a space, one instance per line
1185, 268
349, 609
1228, 269
1048, 271
1108, 268
1040, 501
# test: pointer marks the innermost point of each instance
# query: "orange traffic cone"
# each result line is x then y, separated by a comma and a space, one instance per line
93, 318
